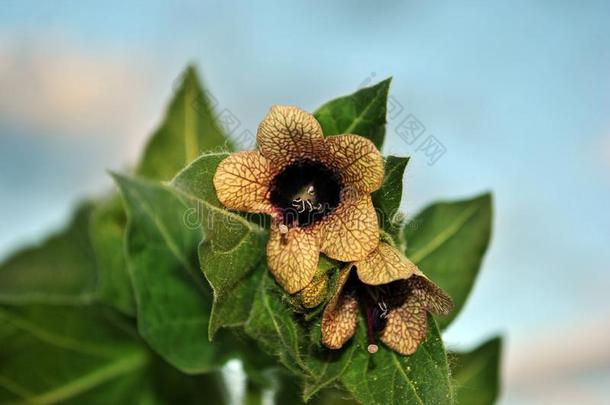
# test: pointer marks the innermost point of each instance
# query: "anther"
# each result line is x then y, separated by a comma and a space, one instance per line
384, 309
283, 229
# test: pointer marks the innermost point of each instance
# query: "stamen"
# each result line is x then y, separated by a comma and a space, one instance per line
307, 190
384, 309
370, 321
283, 229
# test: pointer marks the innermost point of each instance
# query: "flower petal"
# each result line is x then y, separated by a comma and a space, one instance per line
384, 265
350, 232
242, 182
293, 258
288, 133
356, 159
406, 326
434, 298
340, 316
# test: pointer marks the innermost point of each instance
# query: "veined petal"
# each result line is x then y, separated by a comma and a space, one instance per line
293, 258
357, 160
406, 326
288, 133
384, 265
350, 232
340, 316
242, 182
433, 297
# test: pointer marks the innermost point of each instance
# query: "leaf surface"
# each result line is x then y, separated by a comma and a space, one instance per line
362, 113
389, 378
61, 270
293, 341
447, 241
387, 199
173, 298
53, 354
232, 246
107, 230
76, 355
477, 373
188, 129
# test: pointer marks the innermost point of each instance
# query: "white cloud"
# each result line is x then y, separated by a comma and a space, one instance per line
550, 366
51, 85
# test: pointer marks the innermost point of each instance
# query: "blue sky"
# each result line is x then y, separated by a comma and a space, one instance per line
518, 93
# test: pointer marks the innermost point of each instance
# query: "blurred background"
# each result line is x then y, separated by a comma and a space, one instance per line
517, 95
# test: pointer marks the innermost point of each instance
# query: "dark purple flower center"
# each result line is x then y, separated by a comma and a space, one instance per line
375, 302
305, 192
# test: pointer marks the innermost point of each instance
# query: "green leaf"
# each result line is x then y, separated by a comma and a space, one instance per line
387, 198
279, 333
107, 230
273, 325
288, 392
447, 241
477, 373
188, 129
390, 378
61, 270
232, 246
362, 113
173, 298
87, 355
232, 308
52, 354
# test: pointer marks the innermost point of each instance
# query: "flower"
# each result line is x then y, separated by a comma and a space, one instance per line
395, 295
316, 189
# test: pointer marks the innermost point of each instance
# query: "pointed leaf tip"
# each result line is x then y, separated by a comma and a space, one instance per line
448, 240
189, 128
362, 113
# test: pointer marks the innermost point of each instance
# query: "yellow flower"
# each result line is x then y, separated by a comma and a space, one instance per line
396, 297
316, 189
